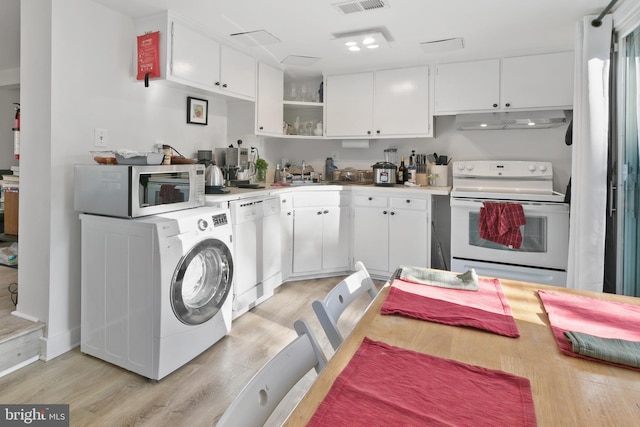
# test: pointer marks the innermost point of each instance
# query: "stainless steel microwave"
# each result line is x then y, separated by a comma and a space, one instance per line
128, 191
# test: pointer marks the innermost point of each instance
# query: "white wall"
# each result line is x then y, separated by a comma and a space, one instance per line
7, 114
530, 144
84, 83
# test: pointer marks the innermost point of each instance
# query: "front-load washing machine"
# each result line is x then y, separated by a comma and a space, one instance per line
156, 290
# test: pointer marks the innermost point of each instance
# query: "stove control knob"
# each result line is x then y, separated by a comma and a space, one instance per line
542, 168
470, 167
532, 168
460, 166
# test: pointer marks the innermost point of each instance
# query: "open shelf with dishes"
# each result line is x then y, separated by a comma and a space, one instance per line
303, 108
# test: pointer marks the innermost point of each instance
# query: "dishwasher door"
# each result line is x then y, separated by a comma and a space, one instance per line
257, 250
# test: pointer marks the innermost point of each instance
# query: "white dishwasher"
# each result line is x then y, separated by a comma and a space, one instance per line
257, 251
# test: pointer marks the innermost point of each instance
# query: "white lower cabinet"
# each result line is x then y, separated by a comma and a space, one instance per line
389, 231
286, 227
320, 232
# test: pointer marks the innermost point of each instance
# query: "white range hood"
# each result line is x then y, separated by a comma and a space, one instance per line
511, 120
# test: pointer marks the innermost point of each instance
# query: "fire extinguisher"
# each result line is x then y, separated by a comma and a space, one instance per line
16, 132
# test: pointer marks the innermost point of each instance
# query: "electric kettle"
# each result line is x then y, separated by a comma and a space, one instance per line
214, 180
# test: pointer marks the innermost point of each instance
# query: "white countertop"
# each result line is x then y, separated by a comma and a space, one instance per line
244, 193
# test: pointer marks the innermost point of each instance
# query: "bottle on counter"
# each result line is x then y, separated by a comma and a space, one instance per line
411, 170
402, 172
166, 149
277, 177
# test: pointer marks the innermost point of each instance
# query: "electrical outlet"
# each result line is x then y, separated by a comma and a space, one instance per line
100, 137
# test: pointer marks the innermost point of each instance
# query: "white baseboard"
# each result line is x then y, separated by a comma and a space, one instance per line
54, 346
24, 316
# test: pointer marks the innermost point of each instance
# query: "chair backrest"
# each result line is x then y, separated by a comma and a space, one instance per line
338, 299
262, 394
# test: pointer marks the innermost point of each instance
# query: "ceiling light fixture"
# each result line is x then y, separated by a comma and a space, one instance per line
357, 40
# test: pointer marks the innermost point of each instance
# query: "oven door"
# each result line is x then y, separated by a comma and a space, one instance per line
545, 242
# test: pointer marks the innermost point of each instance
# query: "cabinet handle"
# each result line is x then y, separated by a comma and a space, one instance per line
408, 201
507, 105
384, 212
325, 212
261, 128
319, 213
224, 85
370, 198
392, 213
368, 132
495, 105
378, 131
288, 213
217, 83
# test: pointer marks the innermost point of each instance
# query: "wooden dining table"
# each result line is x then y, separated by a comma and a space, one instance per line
567, 391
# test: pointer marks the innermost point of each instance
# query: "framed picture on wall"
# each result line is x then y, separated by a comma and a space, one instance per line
197, 111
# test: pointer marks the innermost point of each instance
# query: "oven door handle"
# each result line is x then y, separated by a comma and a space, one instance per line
527, 206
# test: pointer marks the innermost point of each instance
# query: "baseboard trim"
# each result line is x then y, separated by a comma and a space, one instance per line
54, 346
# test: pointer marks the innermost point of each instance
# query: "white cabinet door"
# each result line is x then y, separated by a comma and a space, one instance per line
371, 237
349, 104
402, 101
335, 238
538, 81
269, 110
307, 240
286, 229
408, 240
195, 58
237, 73
467, 86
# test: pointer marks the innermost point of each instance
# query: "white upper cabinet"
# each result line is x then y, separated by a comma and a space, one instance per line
269, 112
195, 58
468, 86
539, 81
518, 83
191, 58
237, 72
348, 100
380, 104
402, 102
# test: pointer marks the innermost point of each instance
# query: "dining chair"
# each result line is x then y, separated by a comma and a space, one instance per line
339, 298
261, 395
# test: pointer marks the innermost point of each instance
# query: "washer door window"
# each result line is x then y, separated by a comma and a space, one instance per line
202, 282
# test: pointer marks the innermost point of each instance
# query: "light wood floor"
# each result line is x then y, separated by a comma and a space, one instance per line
9, 324
100, 394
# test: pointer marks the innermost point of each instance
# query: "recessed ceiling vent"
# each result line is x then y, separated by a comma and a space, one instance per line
348, 7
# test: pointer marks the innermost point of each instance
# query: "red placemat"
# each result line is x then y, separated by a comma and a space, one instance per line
606, 319
485, 309
385, 385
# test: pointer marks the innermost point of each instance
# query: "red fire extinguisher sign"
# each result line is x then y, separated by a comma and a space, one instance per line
148, 56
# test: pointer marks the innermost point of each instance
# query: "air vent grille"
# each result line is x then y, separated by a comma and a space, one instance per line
360, 6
